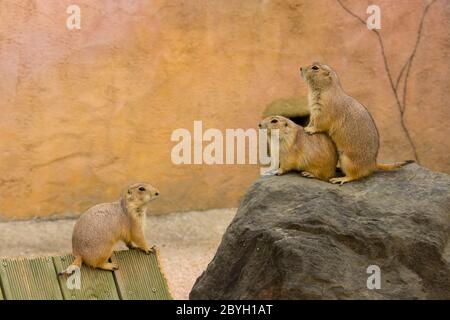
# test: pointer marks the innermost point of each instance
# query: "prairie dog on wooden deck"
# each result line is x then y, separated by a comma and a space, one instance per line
103, 225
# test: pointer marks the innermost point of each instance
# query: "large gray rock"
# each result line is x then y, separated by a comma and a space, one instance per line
298, 238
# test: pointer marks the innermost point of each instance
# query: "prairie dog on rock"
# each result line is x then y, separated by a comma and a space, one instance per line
103, 225
314, 155
347, 122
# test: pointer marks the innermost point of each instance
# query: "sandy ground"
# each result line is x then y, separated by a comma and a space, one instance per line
187, 242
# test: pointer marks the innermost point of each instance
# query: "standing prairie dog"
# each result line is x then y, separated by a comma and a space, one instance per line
103, 225
347, 122
314, 155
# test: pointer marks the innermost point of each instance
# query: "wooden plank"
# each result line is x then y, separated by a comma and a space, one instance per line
139, 276
1, 288
94, 284
29, 279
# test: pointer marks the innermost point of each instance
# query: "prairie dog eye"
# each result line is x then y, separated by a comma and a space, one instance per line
274, 121
315, 68
141, 189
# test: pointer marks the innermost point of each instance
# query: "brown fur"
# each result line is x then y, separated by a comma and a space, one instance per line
315, 156
347, 122
103, 225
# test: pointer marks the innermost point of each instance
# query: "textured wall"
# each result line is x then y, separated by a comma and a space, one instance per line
85, 112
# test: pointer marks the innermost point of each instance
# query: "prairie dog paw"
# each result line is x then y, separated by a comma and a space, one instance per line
109, 266
307, 174
310, 130
341, 180
149, 250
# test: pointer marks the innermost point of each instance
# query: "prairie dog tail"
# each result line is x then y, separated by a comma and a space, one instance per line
71, 269
392, 166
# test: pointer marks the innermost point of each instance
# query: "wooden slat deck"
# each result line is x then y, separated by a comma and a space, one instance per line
29, 279
1, 293
95, 284
139, 277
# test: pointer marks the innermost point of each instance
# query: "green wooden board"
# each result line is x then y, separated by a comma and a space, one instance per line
94, 284
29, 279
139, 276
1, 293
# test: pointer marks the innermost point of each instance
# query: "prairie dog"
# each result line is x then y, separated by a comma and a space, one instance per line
314, 155
347, 122
103, 225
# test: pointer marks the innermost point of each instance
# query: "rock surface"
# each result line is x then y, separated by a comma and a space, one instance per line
296, 238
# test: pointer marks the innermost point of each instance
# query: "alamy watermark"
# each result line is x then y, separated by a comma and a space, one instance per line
374, 280
374, 20
234, 146
73, 21
74, 280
